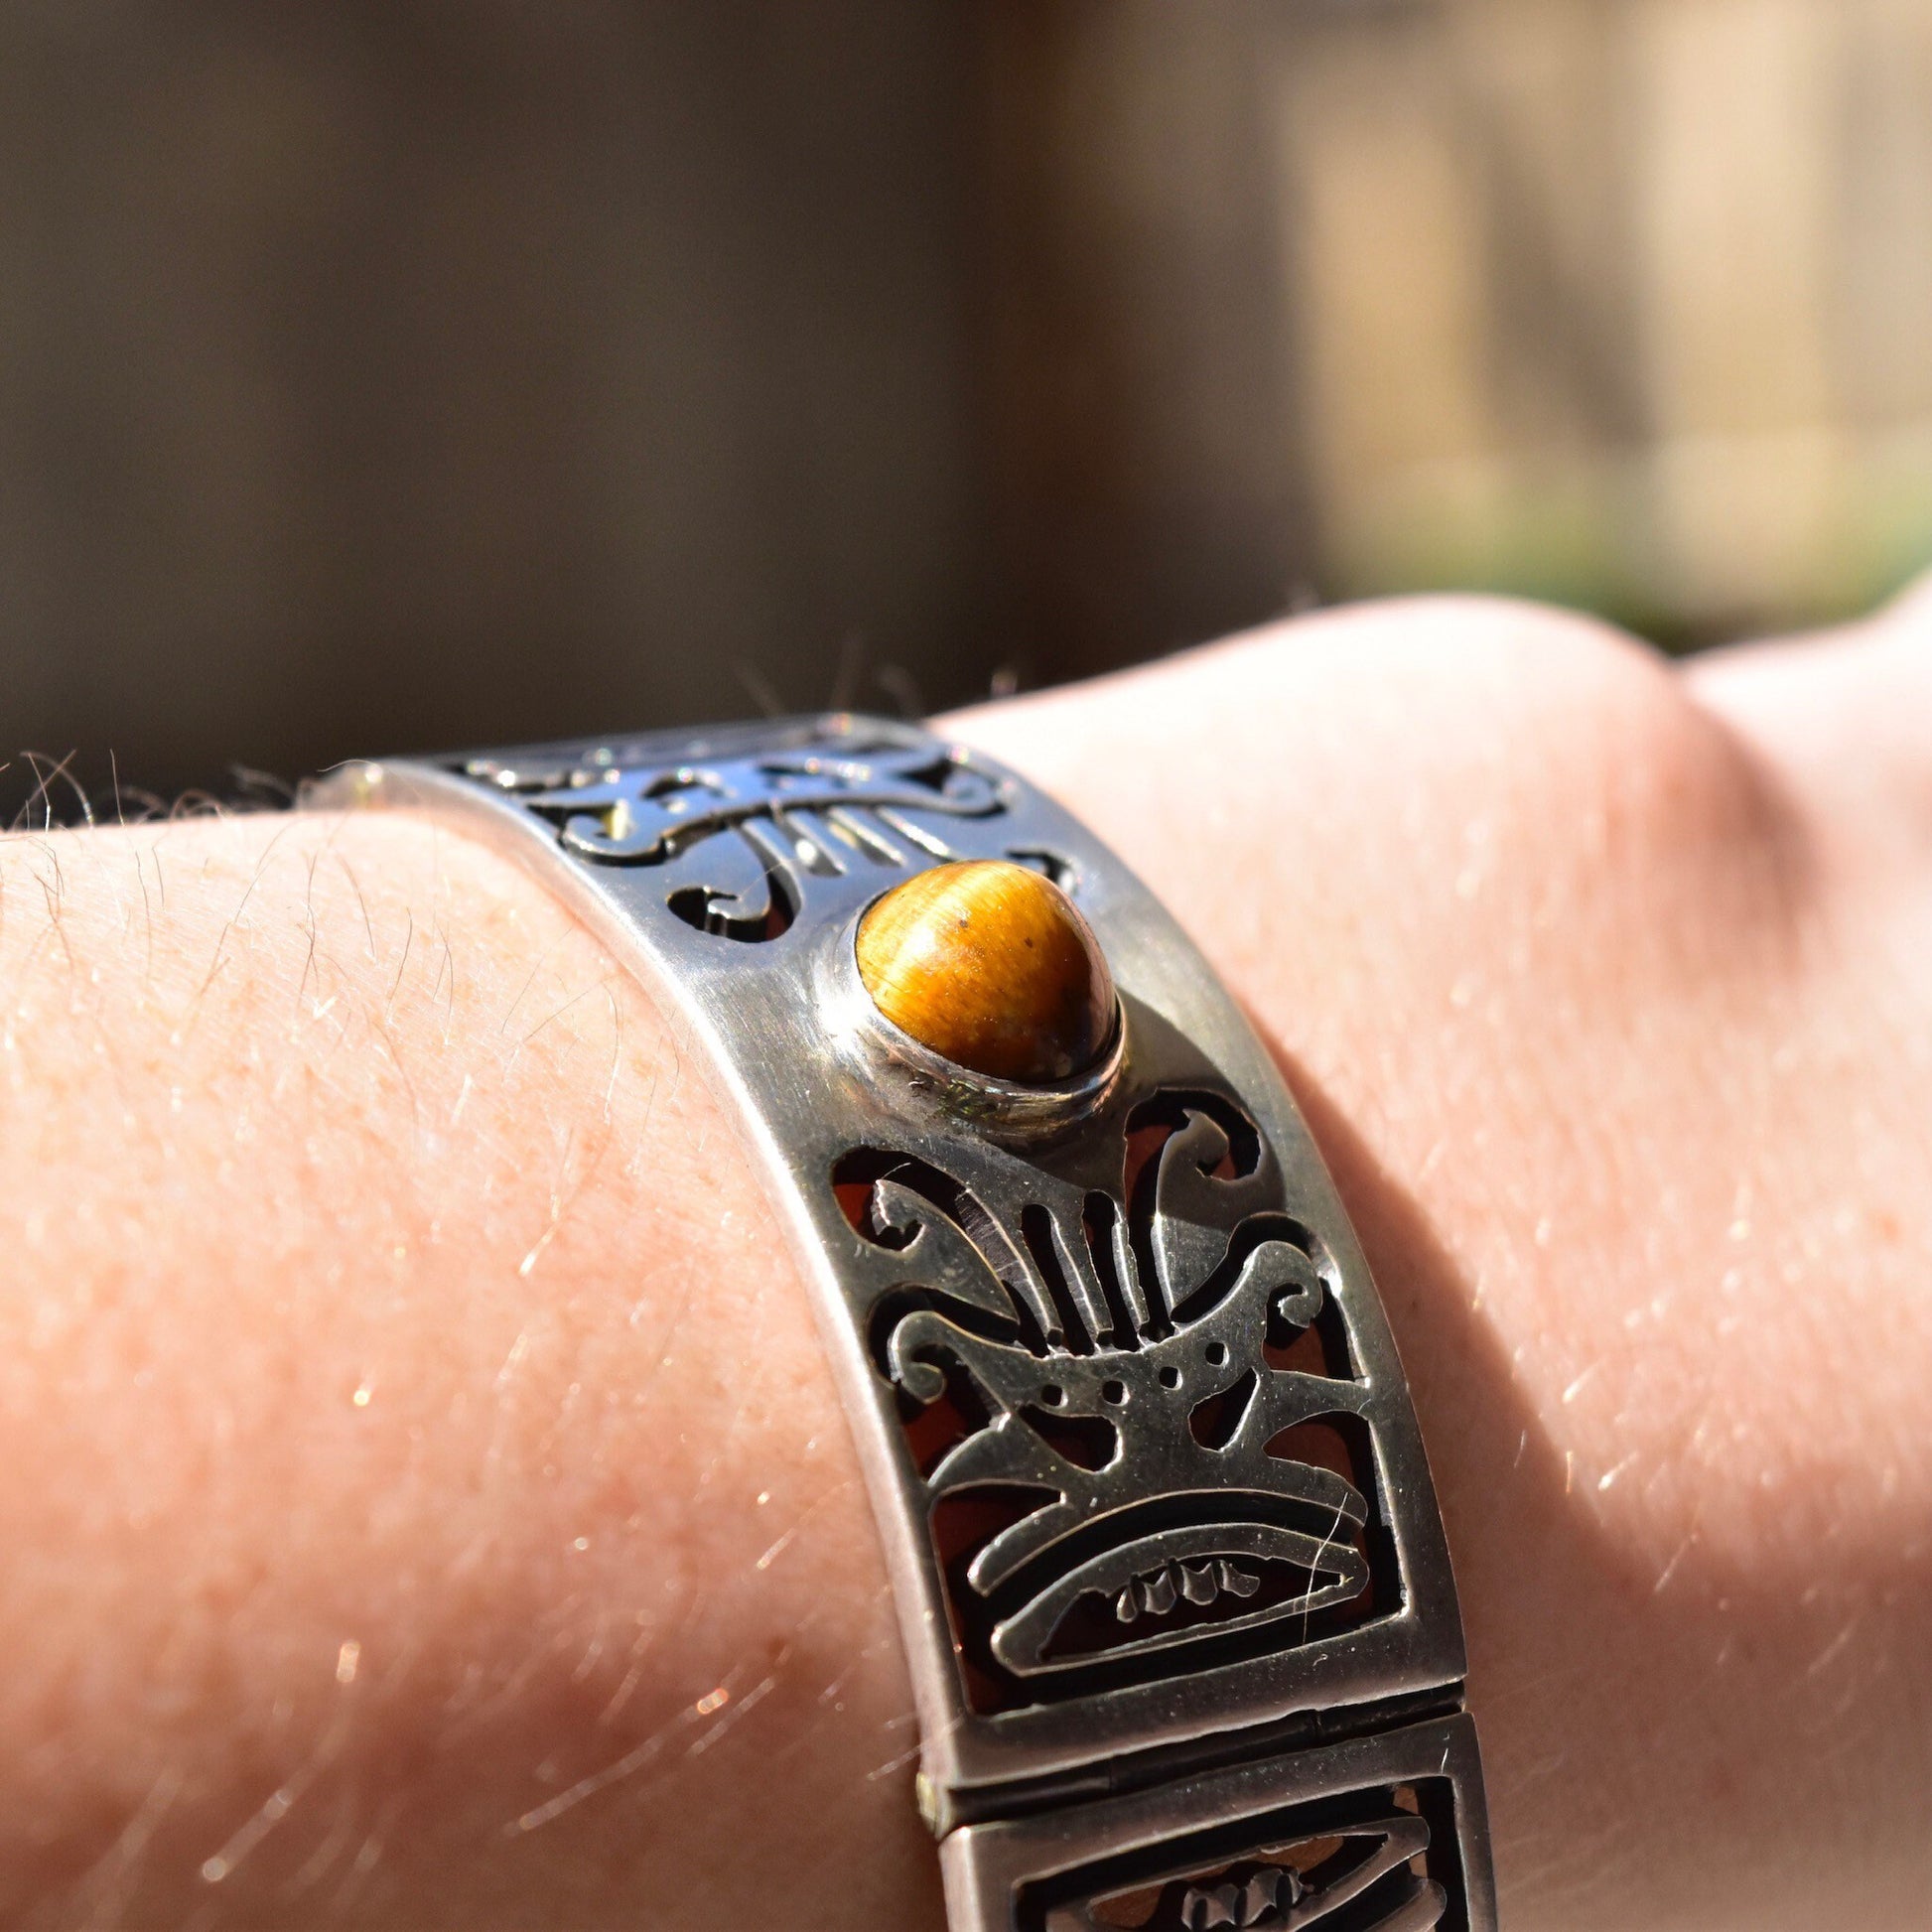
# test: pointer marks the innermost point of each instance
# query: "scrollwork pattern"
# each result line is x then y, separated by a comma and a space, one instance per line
739, 838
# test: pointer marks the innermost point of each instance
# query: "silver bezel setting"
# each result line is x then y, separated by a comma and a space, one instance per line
910, 1076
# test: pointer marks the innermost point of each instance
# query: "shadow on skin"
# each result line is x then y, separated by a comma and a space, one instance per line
1659, 1747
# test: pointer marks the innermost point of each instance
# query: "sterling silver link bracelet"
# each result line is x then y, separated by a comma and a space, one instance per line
1170, 1569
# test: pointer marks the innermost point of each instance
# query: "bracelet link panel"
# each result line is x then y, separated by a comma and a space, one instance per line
1385, 1833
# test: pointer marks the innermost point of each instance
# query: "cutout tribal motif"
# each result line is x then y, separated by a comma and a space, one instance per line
1142, 1399
1360, 1865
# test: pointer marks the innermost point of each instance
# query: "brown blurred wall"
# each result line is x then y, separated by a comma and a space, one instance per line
403, 373
376, 373
1622, 302
1147, 481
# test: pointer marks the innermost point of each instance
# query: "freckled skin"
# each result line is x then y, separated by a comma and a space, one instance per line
990, 965
382, 1275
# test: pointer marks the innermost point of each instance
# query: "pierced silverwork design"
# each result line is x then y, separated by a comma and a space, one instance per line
1174, 1588
1384, 1832
1133, 1412
1370, 1862
741, 836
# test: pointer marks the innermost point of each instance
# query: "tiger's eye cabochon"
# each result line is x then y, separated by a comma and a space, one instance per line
990, 965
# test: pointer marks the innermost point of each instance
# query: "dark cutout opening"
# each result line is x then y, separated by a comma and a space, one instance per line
934, 775
963, 1524
1302, 1350
1216, 1420
855, 1184
1150, 1127
1051, 865
715, 909
1319, 1348
1269, 1874
1087, 1441
1240, 1585
1036, 1230
1100, 1222
683, 778
1254, 1232
1158, 1118
960, 1411
1344, 1444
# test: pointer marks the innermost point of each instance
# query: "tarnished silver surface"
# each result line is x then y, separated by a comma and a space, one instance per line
1381, 1833
1139, 1450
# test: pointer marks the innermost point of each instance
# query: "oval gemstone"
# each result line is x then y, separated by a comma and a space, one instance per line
991, 966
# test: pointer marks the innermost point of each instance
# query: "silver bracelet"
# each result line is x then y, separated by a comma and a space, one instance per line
1170, 1575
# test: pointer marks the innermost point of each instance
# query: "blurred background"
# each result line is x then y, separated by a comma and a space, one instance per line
399, 373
